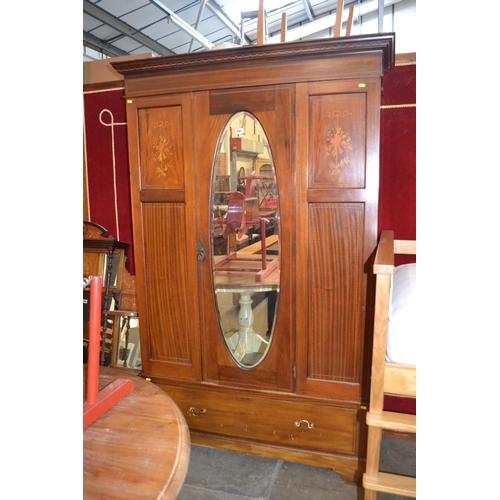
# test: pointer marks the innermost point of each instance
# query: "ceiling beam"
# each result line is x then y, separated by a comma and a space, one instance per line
95, 43
305, 3
381, 16
197, 24
127, 30
183, 25
224, 19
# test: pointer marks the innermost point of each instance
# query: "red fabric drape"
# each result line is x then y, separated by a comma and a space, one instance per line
107, 165
397, 195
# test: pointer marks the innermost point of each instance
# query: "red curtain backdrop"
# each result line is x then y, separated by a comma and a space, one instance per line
107, 172
397, 196
397, 199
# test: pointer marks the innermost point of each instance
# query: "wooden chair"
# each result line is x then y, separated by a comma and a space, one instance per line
387, 378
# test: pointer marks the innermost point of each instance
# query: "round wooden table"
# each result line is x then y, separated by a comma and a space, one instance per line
138, 449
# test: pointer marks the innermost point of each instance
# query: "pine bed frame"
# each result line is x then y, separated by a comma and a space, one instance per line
387, 378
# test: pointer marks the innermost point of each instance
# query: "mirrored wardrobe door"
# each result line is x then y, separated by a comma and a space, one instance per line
247, 269
245, 239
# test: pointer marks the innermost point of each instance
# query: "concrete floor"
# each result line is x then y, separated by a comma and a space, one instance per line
224, 475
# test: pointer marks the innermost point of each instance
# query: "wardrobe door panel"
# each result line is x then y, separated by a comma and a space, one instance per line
337, 192
165, 273
335, 272
161, 165
272, 107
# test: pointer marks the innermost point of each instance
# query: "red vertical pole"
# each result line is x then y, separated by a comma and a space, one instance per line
94, 339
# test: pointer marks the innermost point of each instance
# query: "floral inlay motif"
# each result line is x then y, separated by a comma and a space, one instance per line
162, 149
338, 143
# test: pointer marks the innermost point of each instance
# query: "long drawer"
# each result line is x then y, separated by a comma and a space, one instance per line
272, 420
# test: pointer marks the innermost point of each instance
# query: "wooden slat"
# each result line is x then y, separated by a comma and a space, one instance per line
400, 380
392, 483
407, 247
283, 27
162, 195
349, 20
384, 257
338, 18
379, 343
256, 247
394, 421
260, 24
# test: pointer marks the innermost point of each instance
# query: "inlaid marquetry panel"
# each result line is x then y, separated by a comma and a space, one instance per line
335, 263
337, 140
166, 278
161, 159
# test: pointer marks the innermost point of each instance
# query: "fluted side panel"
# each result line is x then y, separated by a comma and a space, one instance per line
166, 278
335, 246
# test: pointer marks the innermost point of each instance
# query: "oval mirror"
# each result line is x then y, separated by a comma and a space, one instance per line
245, 239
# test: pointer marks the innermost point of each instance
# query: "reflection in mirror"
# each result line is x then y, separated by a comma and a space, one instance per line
245, 239
113, 268
128, 349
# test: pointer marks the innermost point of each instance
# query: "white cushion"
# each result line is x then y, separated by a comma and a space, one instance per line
402, 325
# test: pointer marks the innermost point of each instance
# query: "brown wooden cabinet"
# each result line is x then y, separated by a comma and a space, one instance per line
318, 102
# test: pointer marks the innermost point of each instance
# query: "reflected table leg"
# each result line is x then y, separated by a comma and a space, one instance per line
246, 340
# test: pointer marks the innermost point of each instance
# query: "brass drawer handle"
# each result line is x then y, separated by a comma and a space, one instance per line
191, 412
309, 426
